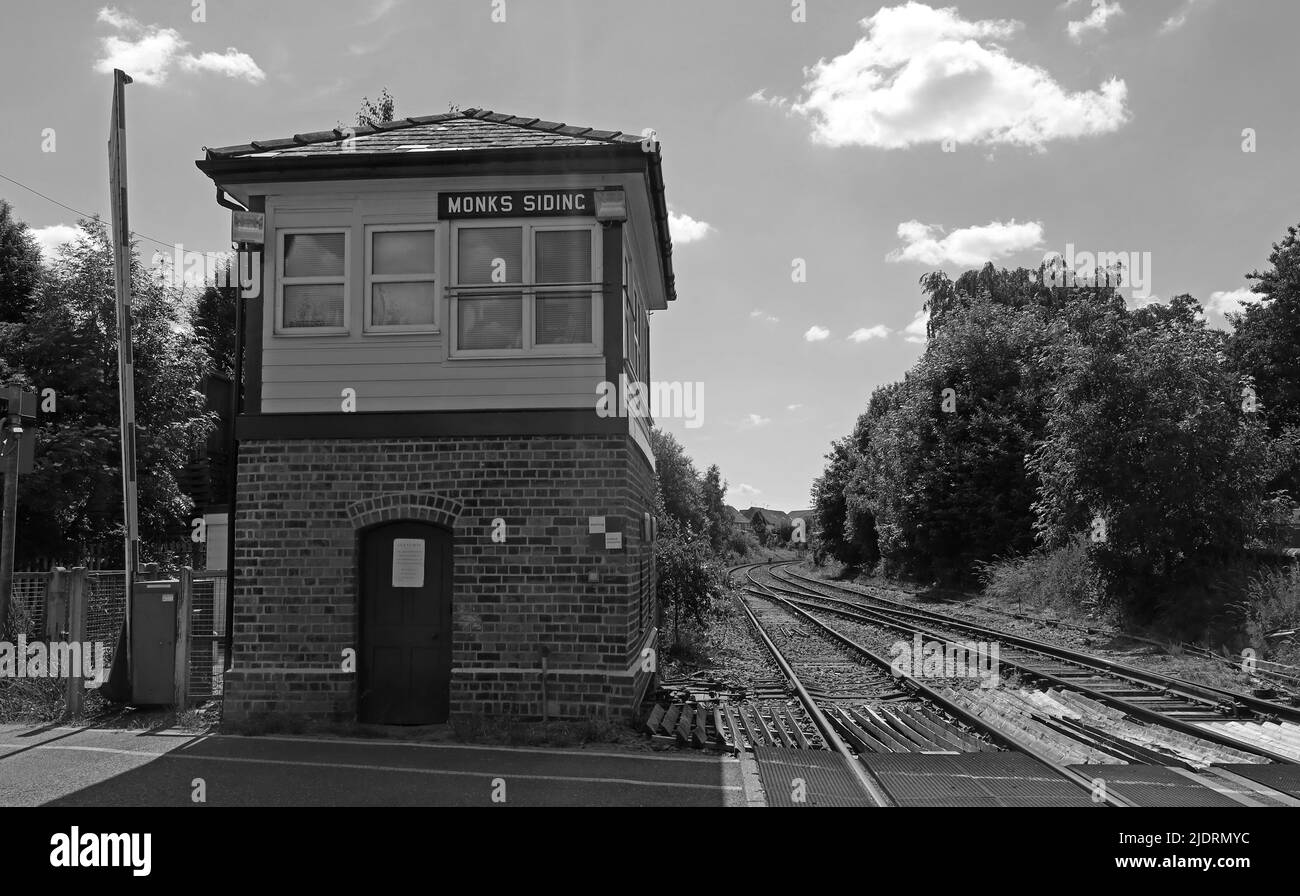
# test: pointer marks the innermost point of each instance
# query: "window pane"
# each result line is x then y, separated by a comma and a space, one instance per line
490, 323
395, 304
563, 256
313, 306
485, 250
402, 252
313, 255
564, 319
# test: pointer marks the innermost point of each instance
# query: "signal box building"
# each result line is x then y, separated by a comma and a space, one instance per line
436, 516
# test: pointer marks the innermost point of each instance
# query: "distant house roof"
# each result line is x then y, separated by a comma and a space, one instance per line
802, 514
409, 142
771, 517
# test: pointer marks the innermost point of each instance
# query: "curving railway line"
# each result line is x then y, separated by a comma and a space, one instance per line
1091, 730
1232, 720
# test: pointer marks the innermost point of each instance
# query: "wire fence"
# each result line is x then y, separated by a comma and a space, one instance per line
105, 609
28, 601
207, 634
106, 613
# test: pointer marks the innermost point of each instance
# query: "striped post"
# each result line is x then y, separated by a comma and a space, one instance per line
125, 361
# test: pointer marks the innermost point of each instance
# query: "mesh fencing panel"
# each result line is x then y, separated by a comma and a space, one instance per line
105, 608
27, 604
207, 633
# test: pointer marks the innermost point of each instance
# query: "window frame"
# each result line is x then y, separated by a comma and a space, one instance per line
281, 281
528, 290
370, 278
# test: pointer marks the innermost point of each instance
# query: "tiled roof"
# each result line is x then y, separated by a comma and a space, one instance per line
771, 517
469, 129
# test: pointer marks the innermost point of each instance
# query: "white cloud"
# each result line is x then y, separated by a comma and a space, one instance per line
866, 334
1102, 12
1179, 18
232, 64
760, 314
816, 334
50, 238
967, 245
118, 19
745, 490
1226, 301
793, 407
915, 331
923, 75
685, 229
756, 420
148, 53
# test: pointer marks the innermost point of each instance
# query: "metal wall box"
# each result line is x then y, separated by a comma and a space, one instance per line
153, 641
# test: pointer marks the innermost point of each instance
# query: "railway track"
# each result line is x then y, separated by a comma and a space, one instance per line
1283, 678
1113, 712
897, 719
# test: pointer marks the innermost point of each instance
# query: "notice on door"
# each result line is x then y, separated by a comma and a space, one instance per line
408, 562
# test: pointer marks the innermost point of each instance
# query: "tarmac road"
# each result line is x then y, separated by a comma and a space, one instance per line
64, 766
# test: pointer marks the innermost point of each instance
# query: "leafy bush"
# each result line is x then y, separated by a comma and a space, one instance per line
742, 543
1273, 604
687, 573
1061, 580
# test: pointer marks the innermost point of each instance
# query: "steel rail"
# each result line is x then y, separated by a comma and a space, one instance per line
1278, 674
864, 780
877, 617
1208, 695
938, 699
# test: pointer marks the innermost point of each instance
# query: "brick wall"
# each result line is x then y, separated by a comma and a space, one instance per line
303, 503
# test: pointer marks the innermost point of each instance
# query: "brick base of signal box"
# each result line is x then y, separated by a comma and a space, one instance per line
303, 505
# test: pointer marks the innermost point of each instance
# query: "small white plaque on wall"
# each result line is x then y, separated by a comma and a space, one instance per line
408, 562
614, 541
595, 525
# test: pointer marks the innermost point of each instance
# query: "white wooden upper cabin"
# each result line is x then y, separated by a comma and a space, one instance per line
450, 263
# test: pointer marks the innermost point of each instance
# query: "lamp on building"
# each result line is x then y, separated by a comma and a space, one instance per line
611, 206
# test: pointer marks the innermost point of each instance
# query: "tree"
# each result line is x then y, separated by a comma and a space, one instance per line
830, 504
371, 114
718, 518
942, 454
1147, 450
70, 505
1264, 351
214, 322
20, 267
687, 576
678, 482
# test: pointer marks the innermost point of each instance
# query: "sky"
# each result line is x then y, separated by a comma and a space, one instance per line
819, 157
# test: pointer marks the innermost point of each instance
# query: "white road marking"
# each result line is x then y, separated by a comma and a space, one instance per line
354, 766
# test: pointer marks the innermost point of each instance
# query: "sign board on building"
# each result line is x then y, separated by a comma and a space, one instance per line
247, 227
518, 204
408, 562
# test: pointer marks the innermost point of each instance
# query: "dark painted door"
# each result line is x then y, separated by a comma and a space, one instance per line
405, 661
153, 648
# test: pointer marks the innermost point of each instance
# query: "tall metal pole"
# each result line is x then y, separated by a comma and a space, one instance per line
125, 360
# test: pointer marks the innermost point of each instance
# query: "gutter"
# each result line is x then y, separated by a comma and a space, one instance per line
232, 445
